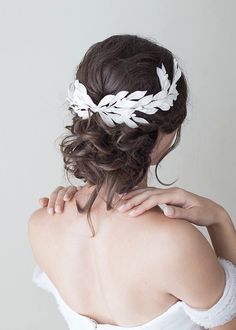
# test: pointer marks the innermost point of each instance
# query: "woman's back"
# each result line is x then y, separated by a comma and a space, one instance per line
115, 277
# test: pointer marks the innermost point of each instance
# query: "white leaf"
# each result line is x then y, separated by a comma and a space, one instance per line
113, 100
145, 100
136, 95
160, 95
164, 106
127, 112
117, 118
106, 99
140, 120
163, 68
120, 95
162, 76
130, 123
82, 88
156, 103
87, 99
106, 119
176, 78
125, 103
82, 113
149, 111
166, 85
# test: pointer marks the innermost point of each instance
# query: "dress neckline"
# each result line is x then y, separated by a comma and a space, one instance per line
51, 287
157, 318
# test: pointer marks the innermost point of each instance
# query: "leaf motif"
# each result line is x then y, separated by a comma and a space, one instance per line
116, 117
119, 108
125, 103
164, 106
163, 69
145, 100
149, 111
106, 99
176, 78
160, 95
82, 113
124, 112
166, 85
163, 76
140, 120
120, 95
69, 99
156, 103
81, 104
106, 119
136, 95
130, 123
112, 101
87, 100
82, 89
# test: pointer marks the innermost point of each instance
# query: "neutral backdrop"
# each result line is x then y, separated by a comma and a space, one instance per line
42, 42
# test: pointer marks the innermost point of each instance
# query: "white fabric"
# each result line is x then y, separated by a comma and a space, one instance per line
179, 316
225, 309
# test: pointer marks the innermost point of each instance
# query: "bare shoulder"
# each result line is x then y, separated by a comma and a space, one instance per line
194, 273
44, 231
37, 221
40, 219
39, 229
36, 216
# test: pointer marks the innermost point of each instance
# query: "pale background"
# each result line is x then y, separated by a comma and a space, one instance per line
41, 44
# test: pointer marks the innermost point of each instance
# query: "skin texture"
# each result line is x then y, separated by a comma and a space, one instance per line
177, 244
186, 246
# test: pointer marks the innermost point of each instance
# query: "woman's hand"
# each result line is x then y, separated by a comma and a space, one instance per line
175, 203
181, 204
57, 199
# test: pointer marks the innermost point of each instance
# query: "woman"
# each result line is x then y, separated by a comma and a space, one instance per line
149, 273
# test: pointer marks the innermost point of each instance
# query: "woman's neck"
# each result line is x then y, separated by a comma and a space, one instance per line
142, 184
102, 192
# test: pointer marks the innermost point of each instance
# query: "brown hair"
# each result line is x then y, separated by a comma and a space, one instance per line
120, 156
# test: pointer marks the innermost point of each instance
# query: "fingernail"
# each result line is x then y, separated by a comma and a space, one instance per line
168, 211
133, 212
121, 208
58, 209
66, 198
50, 210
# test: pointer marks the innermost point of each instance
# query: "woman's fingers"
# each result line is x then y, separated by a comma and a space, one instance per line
138, 199
180, 213
136, 192
60, 202
58, 197
43, 201
63, 195
175, 202
173, 195
52, 199
148, 198
70, 192
147, 204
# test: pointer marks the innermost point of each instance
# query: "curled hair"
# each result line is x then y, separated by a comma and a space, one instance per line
119, 157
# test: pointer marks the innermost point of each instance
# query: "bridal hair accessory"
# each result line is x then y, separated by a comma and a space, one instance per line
120, 108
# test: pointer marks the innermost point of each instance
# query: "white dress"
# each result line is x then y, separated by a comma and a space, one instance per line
179, 316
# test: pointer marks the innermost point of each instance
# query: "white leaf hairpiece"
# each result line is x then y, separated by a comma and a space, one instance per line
120, 108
